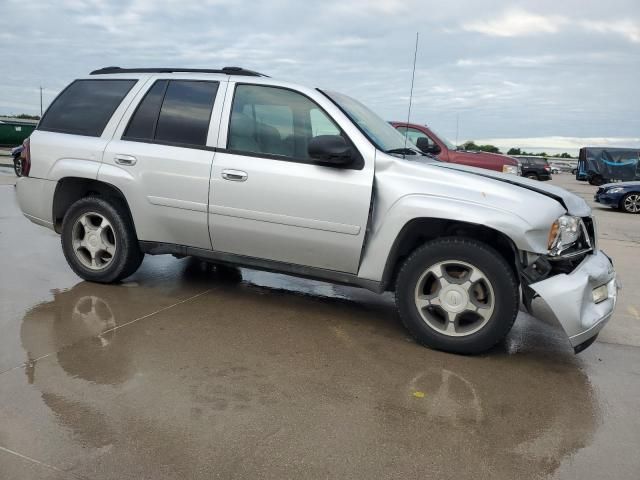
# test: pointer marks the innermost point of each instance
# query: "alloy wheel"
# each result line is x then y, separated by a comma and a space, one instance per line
632, 203
454, 298
94, 241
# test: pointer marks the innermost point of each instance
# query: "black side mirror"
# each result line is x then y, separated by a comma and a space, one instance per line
330, 150
425, 146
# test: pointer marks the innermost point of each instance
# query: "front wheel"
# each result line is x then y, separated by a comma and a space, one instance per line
99, 240
457, 295
631, 203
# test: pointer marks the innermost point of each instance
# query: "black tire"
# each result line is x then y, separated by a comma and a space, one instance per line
596, 180
628, 208
482, 257
532, 176
17, 166
127, 256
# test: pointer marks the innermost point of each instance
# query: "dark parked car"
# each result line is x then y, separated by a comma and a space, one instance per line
16, 153
622, 195
536, 168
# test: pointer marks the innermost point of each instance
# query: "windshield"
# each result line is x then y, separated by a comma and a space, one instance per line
443, 139
381, 134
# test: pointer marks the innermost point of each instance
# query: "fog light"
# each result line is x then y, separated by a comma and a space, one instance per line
600, 293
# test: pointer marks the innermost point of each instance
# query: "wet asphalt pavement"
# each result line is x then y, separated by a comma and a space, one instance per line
185, 371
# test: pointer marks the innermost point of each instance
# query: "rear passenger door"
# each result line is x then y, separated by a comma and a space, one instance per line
161, 159
269, 199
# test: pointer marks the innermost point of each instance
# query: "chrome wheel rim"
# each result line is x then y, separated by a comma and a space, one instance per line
454, 298
94, 241
632, 203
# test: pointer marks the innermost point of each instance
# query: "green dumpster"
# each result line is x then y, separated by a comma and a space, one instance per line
14, 130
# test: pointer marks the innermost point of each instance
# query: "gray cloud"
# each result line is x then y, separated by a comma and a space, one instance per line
505, 69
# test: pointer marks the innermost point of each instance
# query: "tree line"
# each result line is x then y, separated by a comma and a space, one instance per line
472, 146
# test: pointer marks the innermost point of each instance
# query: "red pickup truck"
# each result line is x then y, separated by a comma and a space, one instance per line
427, 141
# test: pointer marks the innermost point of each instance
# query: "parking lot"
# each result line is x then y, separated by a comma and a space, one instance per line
184, 371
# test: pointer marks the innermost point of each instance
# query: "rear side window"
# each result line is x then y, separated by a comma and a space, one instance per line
143, 124
174, 112
85, 107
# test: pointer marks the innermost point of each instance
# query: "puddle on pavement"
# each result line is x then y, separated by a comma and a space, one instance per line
266, 366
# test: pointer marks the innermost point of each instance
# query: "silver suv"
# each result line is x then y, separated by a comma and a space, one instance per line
238, 168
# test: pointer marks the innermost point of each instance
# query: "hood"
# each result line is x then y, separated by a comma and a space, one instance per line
621, 184
574, 204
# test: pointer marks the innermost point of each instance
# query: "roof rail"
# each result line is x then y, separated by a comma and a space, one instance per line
225, 70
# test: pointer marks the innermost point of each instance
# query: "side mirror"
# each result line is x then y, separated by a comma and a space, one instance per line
425, 146
330, 150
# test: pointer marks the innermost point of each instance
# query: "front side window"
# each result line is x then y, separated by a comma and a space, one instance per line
174, 112
85, 107
413, 135
276, 121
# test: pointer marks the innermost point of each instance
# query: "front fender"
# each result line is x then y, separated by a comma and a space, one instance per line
388, 225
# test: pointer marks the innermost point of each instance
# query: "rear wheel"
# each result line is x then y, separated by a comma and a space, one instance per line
17, 166
457, 295
596, 180
99, 241
631, 203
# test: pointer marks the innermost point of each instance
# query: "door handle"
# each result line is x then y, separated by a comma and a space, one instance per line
235, 175
125, 160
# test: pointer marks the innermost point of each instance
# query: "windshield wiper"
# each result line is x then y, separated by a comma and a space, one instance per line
401, 151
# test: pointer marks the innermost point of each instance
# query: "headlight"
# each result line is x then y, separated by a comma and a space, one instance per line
513, 169
564, 232
615, 190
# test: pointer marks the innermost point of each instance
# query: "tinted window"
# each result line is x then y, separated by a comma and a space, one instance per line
85, 106
143, 123
276, 121
185, 113
413, 135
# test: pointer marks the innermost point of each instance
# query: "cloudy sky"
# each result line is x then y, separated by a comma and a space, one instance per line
546, 74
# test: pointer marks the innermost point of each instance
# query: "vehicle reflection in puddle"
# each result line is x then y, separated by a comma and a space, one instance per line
276, 366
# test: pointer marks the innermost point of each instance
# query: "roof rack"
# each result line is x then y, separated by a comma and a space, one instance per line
225, 70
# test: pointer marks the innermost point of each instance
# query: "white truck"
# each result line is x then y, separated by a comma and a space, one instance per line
238, 168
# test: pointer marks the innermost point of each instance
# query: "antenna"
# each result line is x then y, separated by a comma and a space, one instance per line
413, 76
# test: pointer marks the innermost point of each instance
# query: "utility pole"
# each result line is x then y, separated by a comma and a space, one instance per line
457, 125
40, 101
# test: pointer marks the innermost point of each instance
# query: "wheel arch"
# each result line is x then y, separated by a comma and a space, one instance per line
71, 189
420, 230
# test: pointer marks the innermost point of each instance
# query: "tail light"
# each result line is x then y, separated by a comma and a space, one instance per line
26, 157
547, 168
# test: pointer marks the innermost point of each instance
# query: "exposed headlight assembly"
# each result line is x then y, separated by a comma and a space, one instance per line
513, 169
564, 233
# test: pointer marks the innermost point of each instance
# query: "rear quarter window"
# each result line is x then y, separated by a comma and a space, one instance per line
85, 107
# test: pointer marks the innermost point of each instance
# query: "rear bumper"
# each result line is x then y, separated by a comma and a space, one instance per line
568, 299
35, 198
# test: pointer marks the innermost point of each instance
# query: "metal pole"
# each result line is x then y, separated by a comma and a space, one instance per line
41, 101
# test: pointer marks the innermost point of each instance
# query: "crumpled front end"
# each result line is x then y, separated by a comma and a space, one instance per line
581, 300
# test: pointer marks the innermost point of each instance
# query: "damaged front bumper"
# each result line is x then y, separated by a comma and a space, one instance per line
581, 301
